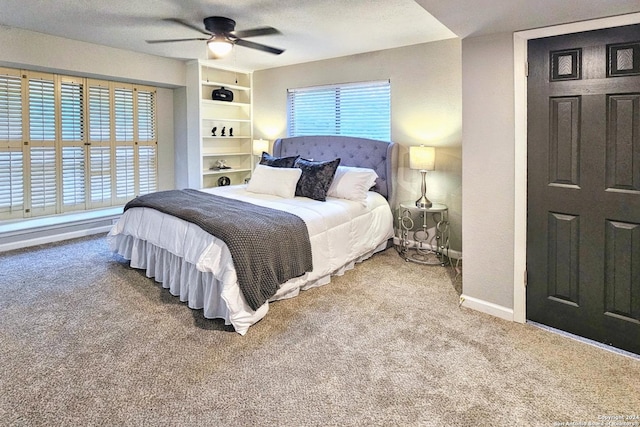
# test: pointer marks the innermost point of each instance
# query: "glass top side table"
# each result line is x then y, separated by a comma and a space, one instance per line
430, 244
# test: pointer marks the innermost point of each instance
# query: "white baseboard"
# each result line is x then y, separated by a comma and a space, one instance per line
39, 231
487, 307
53, 238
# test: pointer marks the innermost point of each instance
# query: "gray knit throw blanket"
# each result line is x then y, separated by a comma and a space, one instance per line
268, 246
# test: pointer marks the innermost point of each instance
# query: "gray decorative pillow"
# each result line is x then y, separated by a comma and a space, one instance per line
277, 162
316, 178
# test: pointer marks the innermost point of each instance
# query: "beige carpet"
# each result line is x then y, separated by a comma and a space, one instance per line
85, 340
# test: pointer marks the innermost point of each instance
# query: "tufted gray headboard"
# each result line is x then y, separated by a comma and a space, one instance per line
381, 156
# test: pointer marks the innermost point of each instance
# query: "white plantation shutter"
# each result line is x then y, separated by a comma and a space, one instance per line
99, 113
123, 109
147, 140
11, 184
147, 169
42, 107
10, 106
71, 143
42, 138
100, 151
72, 137
355, 109
124, 141
43, 180
73, 177
125, 174
72, 111
100, 176
11, 148
146, 115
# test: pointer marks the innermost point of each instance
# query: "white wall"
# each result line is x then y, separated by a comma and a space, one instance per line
425, 109
42, 52
488, 172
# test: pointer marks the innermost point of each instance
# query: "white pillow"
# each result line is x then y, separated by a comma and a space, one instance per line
352, 183
276, 181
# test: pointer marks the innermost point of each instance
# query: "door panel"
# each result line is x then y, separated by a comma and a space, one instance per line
583, 226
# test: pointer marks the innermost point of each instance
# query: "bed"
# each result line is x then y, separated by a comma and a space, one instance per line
198, 267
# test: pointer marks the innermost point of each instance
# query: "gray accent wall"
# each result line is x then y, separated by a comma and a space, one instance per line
426, 108
489, 168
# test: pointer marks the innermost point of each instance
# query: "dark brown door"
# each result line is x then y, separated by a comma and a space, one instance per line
583, 227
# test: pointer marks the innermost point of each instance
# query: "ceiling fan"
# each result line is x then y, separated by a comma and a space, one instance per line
222, 36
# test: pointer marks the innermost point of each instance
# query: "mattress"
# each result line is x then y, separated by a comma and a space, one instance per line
197, 267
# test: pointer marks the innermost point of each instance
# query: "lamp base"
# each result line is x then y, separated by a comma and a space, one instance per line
423, 202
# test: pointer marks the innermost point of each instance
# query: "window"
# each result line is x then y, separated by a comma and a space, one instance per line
70, 143
354, 109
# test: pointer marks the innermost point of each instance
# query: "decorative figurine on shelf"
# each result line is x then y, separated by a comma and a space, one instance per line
222, 132
222, 164
230, 131
213, 131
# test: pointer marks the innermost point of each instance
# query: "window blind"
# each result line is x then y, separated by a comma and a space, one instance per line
354, 109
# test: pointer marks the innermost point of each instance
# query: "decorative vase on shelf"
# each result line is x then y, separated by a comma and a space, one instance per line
222, 94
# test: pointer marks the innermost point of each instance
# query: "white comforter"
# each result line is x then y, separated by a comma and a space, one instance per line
198, 268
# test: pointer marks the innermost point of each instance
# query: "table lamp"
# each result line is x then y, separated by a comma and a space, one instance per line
422, 158
260, 146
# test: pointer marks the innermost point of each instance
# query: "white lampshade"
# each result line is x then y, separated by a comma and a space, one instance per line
260, 145
422, 158
219, 46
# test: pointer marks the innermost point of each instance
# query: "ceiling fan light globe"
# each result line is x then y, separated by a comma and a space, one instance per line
219, 48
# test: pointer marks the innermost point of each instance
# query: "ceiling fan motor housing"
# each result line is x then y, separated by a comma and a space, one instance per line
219, 24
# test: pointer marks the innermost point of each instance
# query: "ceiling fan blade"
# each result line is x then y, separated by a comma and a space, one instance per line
254, 32
188, 25
259, 46
174, 40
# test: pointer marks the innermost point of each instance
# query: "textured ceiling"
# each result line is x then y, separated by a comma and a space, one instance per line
311, 29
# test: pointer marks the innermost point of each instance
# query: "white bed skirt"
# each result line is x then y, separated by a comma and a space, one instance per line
201, 290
